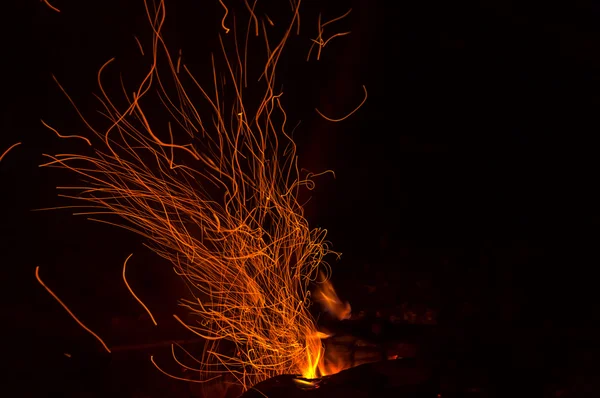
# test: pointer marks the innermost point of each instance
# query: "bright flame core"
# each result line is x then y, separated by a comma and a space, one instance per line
222, 207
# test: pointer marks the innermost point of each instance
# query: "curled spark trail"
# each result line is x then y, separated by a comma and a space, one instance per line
214, 190
347, 115
226, 29
65, 136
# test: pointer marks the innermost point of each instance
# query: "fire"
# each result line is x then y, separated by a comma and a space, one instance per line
213, 187
336, 360
329, 300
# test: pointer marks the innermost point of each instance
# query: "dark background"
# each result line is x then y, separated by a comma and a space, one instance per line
467, 180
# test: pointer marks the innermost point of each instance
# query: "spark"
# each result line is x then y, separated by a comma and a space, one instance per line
179, 378
181, 363
269, 20
226, 29
8, 150
139, 44
329, 300
253, 16
349, 114
133, 294
319, 41
65, 136
218, 200
178, 62
50, 5
37, 276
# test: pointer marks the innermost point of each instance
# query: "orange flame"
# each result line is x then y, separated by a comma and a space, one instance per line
326, 296
335, 360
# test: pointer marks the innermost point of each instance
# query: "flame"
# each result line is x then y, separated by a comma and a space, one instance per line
333, 359
326, 296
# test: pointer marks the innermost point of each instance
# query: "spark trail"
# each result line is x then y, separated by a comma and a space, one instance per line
213, 187
10, 148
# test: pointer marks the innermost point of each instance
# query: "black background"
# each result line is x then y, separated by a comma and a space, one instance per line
469, 175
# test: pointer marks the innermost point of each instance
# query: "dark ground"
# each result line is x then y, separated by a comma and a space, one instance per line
466, 185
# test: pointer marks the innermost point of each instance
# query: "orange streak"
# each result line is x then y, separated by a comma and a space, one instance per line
139, 44
224, 16
37, 276
253, 16
50, 5
349, 114
269, 20
179, 378
178, 61
133, 294
319, 41
337, 19
8, 150
65, 136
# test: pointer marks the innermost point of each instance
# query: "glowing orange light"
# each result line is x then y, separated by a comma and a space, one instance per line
214, 189
224, 16
50, 5
326, 296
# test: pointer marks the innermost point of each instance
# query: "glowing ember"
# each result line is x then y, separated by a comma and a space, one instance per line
214, 189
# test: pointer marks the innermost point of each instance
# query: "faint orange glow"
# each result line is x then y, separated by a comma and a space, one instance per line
326, 296
180, 378
336, 360
213, 187
8, 150
178, 62
37, 276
